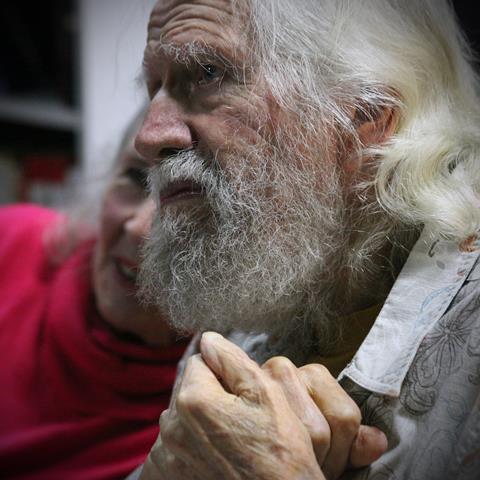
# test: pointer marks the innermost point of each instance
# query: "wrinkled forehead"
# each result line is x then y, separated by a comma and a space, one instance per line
217, 22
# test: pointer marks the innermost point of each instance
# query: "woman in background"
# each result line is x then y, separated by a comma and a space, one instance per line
86, 370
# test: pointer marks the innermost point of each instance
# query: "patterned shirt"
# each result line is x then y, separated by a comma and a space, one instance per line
417, 374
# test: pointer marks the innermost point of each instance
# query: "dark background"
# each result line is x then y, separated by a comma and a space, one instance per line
468, 12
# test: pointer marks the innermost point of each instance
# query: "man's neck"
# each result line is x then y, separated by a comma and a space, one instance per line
352, 329
357, 308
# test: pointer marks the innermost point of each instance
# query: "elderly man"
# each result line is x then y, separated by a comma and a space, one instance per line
316, 164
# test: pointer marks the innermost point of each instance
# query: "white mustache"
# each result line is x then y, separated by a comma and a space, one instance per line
185, 166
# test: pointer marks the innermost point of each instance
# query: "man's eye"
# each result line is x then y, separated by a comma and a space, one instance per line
138, 176
209, 74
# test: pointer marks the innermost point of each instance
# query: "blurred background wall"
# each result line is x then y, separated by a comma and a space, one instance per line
112, 39
68, 87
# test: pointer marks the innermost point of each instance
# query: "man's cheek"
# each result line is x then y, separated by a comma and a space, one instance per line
238, 120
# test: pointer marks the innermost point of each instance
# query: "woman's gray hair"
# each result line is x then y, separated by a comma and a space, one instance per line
323, 59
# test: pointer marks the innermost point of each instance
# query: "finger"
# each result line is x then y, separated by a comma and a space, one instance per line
369, 445
171, 438
238, 373
285, 373
340, 411
191, 349
199, 404
199, 392
199, 384
205, 414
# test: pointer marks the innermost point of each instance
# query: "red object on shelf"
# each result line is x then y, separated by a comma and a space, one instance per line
42, 172
45, 167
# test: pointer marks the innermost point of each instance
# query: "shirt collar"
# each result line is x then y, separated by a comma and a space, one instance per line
431, 277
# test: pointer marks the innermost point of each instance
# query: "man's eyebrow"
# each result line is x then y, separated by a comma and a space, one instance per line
190, 54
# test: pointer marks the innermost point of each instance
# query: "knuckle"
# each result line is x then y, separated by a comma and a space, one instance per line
315, 370
321, 437
191, 401
264, 387
279, 368
347, 418
187, 402
172, 436
168, 434
184, 401
170, 462
164, 418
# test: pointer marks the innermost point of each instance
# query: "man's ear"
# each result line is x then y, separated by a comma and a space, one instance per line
373, 128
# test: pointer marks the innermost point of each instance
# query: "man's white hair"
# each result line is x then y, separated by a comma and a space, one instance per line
325, 59
282, 244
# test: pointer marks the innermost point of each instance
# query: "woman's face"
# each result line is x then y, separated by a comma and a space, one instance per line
125, 221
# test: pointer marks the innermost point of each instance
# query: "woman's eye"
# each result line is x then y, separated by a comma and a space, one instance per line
210, 74
153, 88
138, 176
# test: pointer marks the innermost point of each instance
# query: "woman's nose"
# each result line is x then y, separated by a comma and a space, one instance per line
138, 224
164, 129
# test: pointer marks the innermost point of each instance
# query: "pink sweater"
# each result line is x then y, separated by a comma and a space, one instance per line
75, 401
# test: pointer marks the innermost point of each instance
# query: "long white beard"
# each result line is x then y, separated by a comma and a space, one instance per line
258, 254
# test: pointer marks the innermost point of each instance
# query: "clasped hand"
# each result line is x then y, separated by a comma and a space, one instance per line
232, 419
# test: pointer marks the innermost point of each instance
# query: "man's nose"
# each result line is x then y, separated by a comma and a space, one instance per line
164, 129
139, 222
